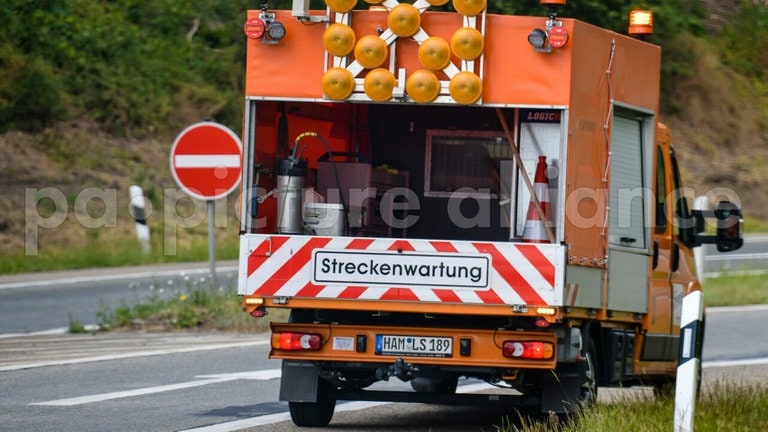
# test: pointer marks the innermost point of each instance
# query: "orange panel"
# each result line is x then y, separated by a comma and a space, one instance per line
289, 69
514, 73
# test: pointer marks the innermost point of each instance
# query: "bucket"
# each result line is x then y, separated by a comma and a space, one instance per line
325, 219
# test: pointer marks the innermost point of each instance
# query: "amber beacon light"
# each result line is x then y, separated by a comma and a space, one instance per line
640, 23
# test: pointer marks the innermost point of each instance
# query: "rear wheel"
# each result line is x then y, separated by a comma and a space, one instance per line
588, 375
315, 414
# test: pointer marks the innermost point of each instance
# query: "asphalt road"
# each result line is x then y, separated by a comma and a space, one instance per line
38, 302
752, 256
135, 381
139, 381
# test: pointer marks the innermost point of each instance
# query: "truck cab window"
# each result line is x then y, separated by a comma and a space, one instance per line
661, 193
683, 216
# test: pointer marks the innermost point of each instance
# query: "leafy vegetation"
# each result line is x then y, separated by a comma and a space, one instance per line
131, 66
127, 65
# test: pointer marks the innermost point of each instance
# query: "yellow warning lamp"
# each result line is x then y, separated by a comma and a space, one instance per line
339, 39
469, 7
404, 20
422, 86
370, 51
337, 83
640, 23
434, 53
340, 6
465, 88
467, 43
378, 84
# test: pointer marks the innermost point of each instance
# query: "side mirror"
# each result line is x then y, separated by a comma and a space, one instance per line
729, 226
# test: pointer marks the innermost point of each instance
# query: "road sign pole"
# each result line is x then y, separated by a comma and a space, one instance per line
689, 362
211, 238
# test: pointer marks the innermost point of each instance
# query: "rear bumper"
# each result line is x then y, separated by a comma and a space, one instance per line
357, 345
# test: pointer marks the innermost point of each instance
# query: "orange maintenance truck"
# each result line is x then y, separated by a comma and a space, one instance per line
442, 195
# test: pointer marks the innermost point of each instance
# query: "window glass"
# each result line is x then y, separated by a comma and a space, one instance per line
464, 159
661, 193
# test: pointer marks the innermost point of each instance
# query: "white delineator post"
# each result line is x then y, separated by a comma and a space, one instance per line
689, 362
139, 213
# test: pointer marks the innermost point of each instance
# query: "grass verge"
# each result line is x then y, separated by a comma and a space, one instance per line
734, 290
723, 406
201, 304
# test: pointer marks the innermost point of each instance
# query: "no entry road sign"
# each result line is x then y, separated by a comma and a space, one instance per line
206, 160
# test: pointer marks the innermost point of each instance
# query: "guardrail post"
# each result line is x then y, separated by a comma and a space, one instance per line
139, 213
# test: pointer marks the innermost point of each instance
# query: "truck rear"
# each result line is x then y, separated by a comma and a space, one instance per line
437, 195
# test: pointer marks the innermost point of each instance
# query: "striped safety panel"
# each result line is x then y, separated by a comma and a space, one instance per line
404, 270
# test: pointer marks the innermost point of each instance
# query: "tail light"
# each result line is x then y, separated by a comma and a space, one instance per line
531, 350
296, 341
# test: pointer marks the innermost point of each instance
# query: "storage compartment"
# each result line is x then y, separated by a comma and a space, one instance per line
325, 219
365, 188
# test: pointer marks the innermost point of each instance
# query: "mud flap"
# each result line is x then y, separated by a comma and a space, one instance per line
560, 393
299, 382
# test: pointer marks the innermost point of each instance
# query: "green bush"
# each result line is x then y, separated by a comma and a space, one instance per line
122, 63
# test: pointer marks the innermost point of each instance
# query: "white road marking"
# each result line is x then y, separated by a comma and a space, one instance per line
276, 418
281, 417
267, 374
129, 355
207, 161
738, 309
732, 363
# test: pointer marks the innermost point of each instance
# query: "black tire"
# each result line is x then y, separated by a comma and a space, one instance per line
588, 374
315, 414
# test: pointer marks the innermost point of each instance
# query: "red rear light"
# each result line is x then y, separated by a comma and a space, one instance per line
296, 341
528, 350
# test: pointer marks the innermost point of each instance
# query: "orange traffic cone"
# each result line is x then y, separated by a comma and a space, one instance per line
534, 230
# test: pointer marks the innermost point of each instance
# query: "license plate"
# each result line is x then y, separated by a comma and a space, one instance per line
414, 346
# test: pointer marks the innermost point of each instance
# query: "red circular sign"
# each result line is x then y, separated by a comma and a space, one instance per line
254, 28
206, 160
558, 37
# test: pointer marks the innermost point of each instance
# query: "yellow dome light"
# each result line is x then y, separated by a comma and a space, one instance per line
422, 86
378, 84
341, 6
467, 43
404, 20
339, 39
434, 53
469, 7
465, 88
337, 83
370, 51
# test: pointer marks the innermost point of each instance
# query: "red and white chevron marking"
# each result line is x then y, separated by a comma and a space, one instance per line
520, 273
